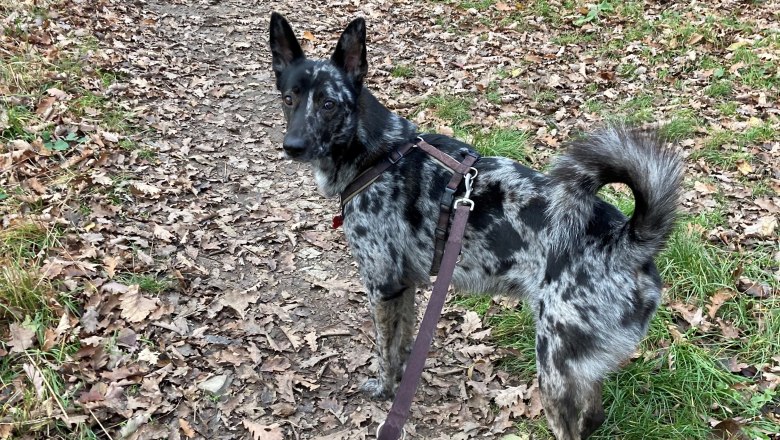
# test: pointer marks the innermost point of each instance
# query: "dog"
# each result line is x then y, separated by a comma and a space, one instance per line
585, 269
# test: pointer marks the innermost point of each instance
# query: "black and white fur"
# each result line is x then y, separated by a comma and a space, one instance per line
585, 269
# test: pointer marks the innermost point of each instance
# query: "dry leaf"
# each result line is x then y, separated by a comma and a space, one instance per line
186, 428
503, 7
263, 432
35, 377
22, 338
744, 167
135, 306
764, 227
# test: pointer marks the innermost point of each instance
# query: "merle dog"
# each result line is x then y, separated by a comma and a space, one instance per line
586, 270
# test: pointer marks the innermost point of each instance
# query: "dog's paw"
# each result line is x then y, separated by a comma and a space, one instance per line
376, 389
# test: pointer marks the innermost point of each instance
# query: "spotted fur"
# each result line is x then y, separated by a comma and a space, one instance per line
586, 270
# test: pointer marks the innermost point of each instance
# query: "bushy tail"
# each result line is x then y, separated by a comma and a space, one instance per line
617, 155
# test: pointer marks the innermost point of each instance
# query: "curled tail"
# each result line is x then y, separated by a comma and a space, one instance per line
617, 155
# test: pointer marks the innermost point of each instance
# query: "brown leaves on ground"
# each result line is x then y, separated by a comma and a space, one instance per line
262, 326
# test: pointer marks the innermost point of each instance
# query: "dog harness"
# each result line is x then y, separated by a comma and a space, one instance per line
459, 171
445, 258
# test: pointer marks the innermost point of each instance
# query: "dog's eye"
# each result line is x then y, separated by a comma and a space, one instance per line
328, 104
288, 100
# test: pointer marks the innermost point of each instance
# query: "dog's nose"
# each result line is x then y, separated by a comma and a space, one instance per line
294, 146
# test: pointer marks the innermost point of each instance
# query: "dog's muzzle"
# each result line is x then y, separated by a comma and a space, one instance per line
294, 146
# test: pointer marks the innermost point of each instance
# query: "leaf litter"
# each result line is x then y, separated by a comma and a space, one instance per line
265, 333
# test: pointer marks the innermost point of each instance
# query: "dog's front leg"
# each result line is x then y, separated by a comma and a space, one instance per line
394, 321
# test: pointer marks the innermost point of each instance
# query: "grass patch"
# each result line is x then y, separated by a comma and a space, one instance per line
719, 89
150, 284
695, 268
402, 71
638, 109
453, 109
665, 397
503, 142
682, 126
728, 108
479, 5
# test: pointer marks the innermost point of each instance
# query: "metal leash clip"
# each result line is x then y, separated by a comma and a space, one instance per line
468, 180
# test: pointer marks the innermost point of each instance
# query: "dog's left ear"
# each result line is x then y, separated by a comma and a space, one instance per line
350, 53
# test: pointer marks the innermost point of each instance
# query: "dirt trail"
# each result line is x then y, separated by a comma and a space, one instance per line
270, 333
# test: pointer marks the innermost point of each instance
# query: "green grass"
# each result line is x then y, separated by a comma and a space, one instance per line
150, 284
33, 229
402, 71
16, 117
681, 126
728, 108
503, 142
638, 109
719, 89
546, 95
480, 5
453, 109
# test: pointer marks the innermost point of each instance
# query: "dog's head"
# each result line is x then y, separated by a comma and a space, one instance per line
319, 98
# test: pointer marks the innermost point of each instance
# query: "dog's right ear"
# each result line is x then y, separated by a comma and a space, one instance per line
285, 48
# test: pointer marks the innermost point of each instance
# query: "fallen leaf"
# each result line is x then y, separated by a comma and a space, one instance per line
263, 432
186, 428
21, 338
35, 377
744, 167
503, 7
716, 301
729, 429
214, 384
764, 227
135, 306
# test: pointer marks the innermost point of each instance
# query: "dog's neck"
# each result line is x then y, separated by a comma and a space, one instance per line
379, 131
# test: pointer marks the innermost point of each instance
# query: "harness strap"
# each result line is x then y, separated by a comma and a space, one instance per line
445, 204
368, 177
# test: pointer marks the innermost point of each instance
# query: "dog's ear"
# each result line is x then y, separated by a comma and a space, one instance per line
285, 49
350, 53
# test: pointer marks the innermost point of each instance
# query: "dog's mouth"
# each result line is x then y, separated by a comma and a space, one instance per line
297, 156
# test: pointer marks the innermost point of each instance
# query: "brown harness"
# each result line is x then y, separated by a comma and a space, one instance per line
447, 250
459, 169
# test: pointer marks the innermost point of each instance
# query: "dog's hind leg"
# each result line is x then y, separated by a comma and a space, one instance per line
394, 322
570, 396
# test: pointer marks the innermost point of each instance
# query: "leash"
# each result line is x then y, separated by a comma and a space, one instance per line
392, 427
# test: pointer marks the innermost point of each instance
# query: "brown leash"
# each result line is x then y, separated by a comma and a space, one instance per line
392, 427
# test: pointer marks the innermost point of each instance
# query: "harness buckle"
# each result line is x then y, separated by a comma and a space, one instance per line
392, 153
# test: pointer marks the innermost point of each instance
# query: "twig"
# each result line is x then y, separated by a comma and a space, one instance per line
51, 390
100, 424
